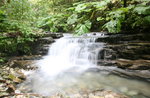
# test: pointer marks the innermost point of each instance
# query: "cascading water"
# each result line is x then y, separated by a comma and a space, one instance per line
69, 52
65, 70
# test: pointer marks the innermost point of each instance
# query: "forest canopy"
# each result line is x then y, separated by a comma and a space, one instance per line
22, 21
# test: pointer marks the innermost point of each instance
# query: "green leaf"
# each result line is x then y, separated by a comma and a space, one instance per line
83, 28
113, 26
80, 7
100, 18
146, 20
88, 24
72, 19
142, 10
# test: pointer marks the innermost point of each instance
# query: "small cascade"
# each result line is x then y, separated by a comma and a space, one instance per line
70, 52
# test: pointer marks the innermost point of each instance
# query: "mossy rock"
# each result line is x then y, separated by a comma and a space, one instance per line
14, 78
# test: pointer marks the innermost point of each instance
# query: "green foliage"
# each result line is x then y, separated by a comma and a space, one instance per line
83, 28
20, 18
72, 19
2, 60
115, 20
54, 23
101, 15
2, 19
20, 10
139, 18
85, 14
145, 10
16, 27
17, 41
2, 16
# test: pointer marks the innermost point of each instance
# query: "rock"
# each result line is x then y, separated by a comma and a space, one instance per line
23, 64
121, 38
45, 40
11, 89
134, 74
133, 64
14, 79
41, 46
53, 35
124, 89
93, 94
126, 51
132, 93
26, 57
106, 94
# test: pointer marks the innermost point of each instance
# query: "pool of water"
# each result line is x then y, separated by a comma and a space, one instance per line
74, 81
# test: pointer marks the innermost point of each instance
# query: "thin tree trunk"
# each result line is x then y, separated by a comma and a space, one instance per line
125, 3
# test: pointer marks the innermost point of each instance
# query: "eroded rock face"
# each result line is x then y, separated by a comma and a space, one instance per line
129, 47
41, 46
126, 51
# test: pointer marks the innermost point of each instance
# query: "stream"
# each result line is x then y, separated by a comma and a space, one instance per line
70, 68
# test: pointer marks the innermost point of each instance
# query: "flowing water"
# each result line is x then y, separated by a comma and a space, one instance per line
66, 70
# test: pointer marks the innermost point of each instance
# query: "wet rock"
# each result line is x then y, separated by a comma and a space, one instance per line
41, 46
94, 94
126, 51
109, 94
45, 40
124, 89
132, 93
123, 38
131, 51
23, 64
133, 64
26, 57
14, 79
106, 94
134, 74
11, 88
53, 35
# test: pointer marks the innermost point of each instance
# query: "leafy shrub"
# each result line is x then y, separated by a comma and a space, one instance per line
83, 28
142, 17
54, 23
2, 21
17, 27
115, 20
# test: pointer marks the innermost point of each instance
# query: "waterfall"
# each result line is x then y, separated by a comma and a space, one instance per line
70, 52
67, 59
68, 69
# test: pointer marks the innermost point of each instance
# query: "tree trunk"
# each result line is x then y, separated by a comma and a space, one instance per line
125, 3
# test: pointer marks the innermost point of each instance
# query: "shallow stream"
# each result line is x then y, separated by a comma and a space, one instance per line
66, 70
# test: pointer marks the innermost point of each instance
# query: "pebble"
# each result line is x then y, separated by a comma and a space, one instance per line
17, 91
